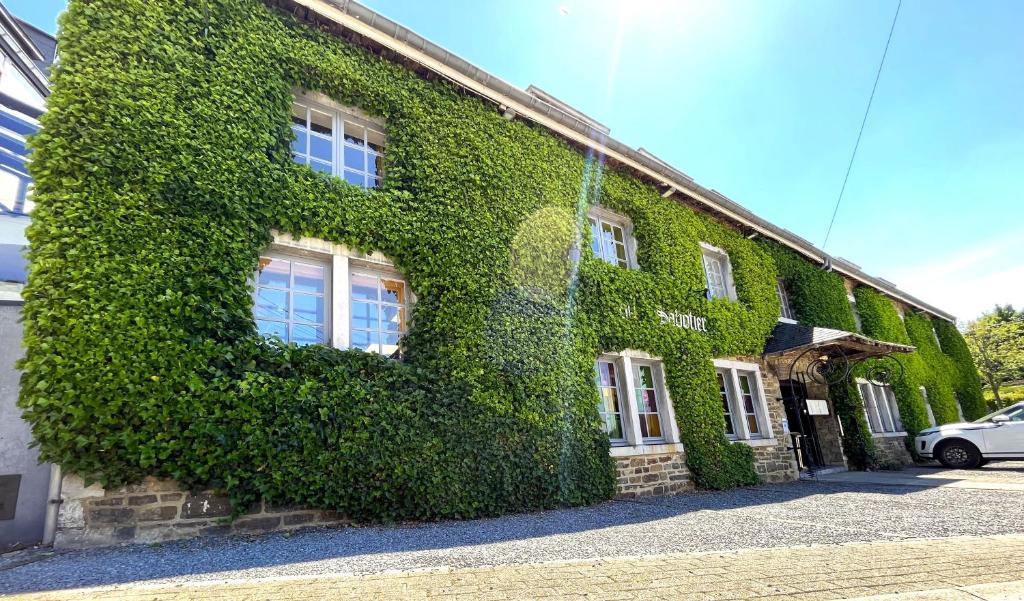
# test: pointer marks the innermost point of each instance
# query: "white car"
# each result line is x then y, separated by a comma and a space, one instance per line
999, 435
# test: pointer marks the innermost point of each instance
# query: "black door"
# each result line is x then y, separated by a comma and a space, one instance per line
794, 398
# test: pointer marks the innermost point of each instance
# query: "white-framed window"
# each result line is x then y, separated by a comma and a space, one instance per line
880, 407
310, 291
785, 310
634, 402
718, 271
15, 183
339, 141
743, 400
853, 307
927, 406
611, 237
292, 298
610, 389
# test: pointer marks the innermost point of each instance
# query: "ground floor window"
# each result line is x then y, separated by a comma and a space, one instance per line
880, 407
314, 292
743, 400
928, 406
634, 403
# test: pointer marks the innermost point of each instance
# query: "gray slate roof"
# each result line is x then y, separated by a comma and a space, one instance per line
789, 337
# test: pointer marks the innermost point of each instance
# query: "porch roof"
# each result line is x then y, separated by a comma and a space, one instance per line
788, 338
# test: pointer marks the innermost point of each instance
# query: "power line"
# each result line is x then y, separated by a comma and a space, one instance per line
862, 123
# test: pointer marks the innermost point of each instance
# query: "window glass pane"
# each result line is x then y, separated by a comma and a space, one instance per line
595, 239
308, 307
321, 123
874, 424
355, 158
299, 115
609, 408
375, 140
730, 429
273, 273
356, 178
321, 148
299, 143
307, 334
392, 291
364, 287
747, 396
374, 164
367, 341
388, 343
272, 328
364, 316
321, 167
272, 303
354, 134
308, 278
647, 401
392, 319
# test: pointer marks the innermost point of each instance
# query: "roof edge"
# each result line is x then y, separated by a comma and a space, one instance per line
387, 33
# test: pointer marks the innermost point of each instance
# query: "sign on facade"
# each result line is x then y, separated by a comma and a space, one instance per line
685, 321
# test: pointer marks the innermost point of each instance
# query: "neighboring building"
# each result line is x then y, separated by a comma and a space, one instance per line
317, 290
27, 54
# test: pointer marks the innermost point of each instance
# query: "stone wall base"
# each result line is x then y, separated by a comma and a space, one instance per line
892, 450
158, 510
652, 475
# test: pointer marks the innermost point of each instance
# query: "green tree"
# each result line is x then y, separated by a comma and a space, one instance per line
996, 340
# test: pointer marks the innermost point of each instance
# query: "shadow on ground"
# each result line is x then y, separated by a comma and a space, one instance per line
765, 516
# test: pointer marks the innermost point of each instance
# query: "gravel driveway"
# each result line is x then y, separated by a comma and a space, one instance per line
766, 516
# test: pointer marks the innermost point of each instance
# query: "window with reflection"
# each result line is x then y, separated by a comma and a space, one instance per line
379, 307
648, 403
292, 299
743, 400
610, 406
611, 237
338, 142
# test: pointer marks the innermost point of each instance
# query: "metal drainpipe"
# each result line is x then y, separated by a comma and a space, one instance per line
53, 502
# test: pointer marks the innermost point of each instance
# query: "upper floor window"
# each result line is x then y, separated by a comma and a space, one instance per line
785, 311
315, 292
338, 141
634, 404
611, 237
743, 400
856, 314
15, 183
880, 407
718, 271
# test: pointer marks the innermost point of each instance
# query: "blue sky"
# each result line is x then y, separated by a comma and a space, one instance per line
762, 101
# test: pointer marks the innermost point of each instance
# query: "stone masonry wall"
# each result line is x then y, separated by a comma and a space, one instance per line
773, 459
650, 475
892, 450
158, 510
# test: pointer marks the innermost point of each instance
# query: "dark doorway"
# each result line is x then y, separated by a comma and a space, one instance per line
794, 398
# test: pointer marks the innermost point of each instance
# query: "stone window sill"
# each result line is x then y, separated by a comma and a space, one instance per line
758, 442
889, 435
647, 449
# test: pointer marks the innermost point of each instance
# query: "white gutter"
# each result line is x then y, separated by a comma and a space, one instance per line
384, 32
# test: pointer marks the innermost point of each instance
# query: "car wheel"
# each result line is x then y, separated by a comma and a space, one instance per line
983, 462
958, 454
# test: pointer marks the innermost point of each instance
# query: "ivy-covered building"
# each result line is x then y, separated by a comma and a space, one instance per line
295, 259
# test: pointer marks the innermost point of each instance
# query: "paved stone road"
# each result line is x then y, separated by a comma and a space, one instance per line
429, 557
808, 573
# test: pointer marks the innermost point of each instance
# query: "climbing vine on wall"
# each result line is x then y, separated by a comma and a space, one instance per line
161, 170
